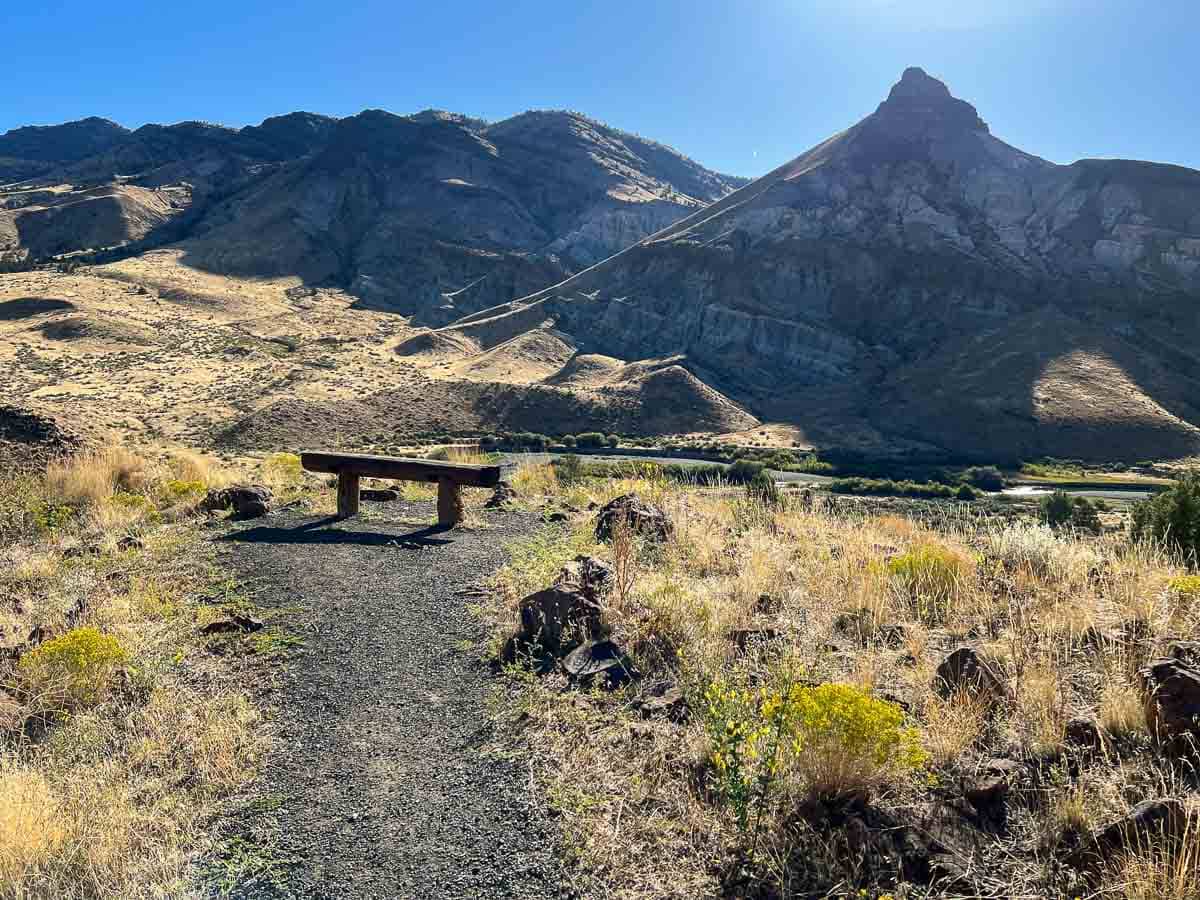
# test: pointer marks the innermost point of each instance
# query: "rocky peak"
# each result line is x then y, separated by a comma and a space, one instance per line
921, 106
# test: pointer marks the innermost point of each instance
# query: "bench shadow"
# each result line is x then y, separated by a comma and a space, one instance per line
316, 532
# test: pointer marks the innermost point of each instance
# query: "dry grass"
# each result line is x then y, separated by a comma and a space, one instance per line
114, 748
87, 480
870, 601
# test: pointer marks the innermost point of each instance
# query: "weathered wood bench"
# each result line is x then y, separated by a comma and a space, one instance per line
450, 477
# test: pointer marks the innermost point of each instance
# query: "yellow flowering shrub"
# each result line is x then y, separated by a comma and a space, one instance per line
179, 489
831, 740
1185, 587
72, 670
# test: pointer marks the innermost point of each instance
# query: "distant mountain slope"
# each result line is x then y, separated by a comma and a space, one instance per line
434, 216
812, 290
28, 152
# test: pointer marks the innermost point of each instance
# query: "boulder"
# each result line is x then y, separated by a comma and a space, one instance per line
990, 788
502, 496
1150, 823
569, 610
248, 501
645, 519
967, 671
1171, 691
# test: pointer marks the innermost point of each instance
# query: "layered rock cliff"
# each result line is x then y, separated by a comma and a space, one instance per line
828, 287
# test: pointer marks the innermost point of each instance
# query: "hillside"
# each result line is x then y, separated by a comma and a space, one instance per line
830, 292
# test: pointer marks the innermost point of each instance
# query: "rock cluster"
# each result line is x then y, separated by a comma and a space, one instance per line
246, 501
571, 610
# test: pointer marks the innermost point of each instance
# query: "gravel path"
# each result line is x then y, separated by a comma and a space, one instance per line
381, 784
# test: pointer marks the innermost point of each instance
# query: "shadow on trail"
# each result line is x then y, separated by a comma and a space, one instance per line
322, 532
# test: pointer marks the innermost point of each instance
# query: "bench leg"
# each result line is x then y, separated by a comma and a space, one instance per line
347, 495
450, 507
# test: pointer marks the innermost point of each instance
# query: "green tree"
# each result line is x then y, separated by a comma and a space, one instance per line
1056, 509
1172, 518
986, 478
568, 468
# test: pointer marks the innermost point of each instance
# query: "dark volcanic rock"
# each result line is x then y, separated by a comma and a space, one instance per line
1171, 688
246, 501
645, 519
571, 609
967, 671
595, 658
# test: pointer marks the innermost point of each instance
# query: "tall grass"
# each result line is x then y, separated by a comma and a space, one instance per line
744, 593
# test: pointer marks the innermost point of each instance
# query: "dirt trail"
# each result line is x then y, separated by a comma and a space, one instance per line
382, 783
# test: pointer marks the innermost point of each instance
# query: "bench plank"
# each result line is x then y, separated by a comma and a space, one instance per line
366, 466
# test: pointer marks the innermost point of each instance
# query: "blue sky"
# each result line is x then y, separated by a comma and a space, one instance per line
740, 86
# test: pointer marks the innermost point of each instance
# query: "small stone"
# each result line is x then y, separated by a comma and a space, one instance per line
597, 658
232, 623
246, 501
129, 542
663, 700
379, 495
991, 787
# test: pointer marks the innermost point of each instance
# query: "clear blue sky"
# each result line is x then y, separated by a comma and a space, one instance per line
741, 85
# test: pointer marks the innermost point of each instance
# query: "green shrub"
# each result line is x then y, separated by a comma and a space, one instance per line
931, 574
1056, 509
888, 488
590, 440
72, 670
762, 488
1172, 518
568, 468
568, 440
1084, 516
965, 492
613, 441
743, 471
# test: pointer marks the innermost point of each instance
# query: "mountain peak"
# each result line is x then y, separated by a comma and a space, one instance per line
920, 105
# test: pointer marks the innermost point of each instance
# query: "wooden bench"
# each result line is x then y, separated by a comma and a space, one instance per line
450, 478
